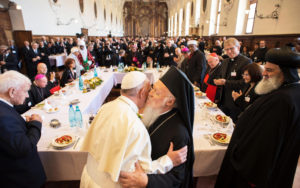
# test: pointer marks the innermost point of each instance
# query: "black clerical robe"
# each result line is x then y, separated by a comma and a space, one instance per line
265, 145
38, 94
171, 130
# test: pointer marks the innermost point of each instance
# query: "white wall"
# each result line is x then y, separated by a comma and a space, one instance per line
41, 17
288, 22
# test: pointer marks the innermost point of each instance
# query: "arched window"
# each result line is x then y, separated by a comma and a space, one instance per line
251, 16
180, 22
187, 18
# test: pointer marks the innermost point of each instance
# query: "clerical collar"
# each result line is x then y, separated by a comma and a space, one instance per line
5, 101
130, 103
234, 59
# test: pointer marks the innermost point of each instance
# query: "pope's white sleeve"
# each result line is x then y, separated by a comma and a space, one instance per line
161, 165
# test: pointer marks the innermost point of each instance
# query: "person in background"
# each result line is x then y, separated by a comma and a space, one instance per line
42, 69
297, 44
74, 55
85, 58
265, 144
231, 71
10, 61
178, 59
196, 64
20, 162
213, 72
246, 96
45, 52
186, 54
38, 91
34, 56
68, 75
119, 58
245, 52
259, 54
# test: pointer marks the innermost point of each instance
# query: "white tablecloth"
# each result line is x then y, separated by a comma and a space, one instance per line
57, 60
67, 164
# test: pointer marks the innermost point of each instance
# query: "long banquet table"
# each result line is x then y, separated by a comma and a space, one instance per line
67, 164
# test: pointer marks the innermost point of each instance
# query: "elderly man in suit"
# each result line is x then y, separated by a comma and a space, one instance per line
19, 160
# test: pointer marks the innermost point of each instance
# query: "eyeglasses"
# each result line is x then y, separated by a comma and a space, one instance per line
245, 75
230, 49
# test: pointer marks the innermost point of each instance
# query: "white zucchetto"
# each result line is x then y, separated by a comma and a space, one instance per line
133, 79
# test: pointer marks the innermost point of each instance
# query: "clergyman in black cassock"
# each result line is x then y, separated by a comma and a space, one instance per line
174, 126
265, 145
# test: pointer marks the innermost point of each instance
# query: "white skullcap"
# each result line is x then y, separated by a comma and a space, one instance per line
81, 43
192, 42
74, 49
133, 79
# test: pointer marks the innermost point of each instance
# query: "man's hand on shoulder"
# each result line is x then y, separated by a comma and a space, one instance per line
138, 178
179, 156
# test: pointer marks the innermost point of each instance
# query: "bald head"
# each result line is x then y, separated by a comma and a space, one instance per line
42, 68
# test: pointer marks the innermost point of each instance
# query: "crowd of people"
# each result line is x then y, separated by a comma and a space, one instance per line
157, 150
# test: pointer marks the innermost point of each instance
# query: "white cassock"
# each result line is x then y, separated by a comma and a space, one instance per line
116, 140
78, 67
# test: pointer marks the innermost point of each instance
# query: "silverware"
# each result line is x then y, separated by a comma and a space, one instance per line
207, 137
76, 142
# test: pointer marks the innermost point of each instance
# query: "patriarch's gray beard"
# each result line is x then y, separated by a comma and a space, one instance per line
150, 115
265, 86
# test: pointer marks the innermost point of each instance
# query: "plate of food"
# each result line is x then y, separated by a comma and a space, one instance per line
221, 138
71, 84
200, 94
196, 88
63, 141
210, 105
52, 110
222, 119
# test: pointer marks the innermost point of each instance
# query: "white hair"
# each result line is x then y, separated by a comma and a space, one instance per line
12, 79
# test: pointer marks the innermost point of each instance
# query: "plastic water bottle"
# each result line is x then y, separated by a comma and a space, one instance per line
157, 66
80, 83
72, 116
78, 117
144, 66
95, 72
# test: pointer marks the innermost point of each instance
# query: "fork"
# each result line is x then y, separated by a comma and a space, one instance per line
207, 137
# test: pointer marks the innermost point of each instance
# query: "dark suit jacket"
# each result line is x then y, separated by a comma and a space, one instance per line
11, 62
19, 159
196, 67
32, 65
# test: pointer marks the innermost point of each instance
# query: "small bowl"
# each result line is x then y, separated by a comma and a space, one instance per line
55, 123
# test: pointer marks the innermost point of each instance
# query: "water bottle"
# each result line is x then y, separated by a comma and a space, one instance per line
95, 72
72, 116
157, 66
78, 117
80, 83
144, 66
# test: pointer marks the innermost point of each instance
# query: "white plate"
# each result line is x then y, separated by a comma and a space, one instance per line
226, 117
211, 107
63, 145
223, 142
200, 94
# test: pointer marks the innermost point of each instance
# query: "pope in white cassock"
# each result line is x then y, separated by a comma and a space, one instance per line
117, 138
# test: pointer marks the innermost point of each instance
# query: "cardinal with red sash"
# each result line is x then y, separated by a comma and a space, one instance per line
212, 73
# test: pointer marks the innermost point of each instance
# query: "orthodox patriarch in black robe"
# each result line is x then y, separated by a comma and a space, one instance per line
265, 145
175, 126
